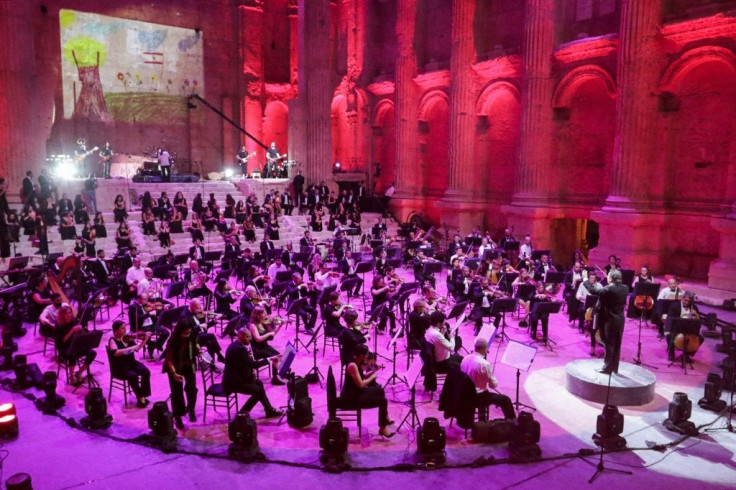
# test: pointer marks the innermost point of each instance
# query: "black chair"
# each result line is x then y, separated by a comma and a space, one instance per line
458, 400
336, 406
431, 377
214, 393
117, 383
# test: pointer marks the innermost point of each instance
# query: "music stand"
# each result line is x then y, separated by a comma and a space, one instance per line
212, 256
503, 306
348, 285
314, 374
472, 264
661, 307
302, 257
431, 268
181, 259
458, 309
511, 246
650, 290
394, 340
273, 253
411, 377
294, 309
687, 327
175, 290
284, 276
627, 277
545, 308
287, 358
554, 277
17, 263
520, 357
473, 241
80, 344
363, 268
169, 317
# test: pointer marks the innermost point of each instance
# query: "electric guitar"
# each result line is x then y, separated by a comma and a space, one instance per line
80, 158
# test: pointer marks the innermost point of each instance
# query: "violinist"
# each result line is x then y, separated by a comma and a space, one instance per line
543, 267
381, 263
196, 319
383, 297
588, 287
142, 316
349, 267
686, 308
443, 343
418, 265
352, 336
325, 277
224, 298
263, 330
524, 278
181, 354
614, 264
540, 296
295, 290
135, 275
67, 326
483, 295
432, 299
573, 279
332, 312
462, 284
418, 324
123, 364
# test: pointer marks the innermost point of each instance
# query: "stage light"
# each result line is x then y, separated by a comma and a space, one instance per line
712, 394
50, 403
9, 426
525, 434
20, 368
336, 167
65, 169
7, 408
243, 434
7, 350
95, 406
679, 412
609, 427
431, 442
333, 440
19, 481
229, 173
161, 423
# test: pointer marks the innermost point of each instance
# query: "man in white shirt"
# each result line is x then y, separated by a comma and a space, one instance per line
526, 249
480, 371
275, 268
325, 278
164, 161
135, 275
444, 349
47, 319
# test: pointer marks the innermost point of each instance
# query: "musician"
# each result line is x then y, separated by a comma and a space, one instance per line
242, 157
276, 267
611, 317
507, 237
272, 159
379, 229
418, 324
541, 296
266, 245
325, 277
142, 317
361, 389
196, 318
196, 251
485, 245
196, 281
106, 155
135, 275
49, 316
443, 343
543, 267
483, 296
383, 294
577, 256
295, 290
524, 278
480, 371
298, 183
164, 162
332, 312
224, 299
239, 377
262, 331
181, 353
39, 298
349, 266
123, 364
573, 279
686, 308
526, 249
387, 195
461, 285
149, 284
586, 288
672, 291
67, 326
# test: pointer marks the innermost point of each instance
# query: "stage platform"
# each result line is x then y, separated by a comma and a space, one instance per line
631, 386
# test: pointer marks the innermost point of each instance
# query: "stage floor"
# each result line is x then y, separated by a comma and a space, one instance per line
60, 456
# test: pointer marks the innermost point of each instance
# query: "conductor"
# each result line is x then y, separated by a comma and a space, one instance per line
611, 316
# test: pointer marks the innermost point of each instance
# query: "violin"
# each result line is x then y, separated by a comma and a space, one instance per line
133, 337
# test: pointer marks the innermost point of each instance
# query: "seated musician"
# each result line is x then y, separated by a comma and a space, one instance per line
644, 276
483, 296
418, 265
196, 281
348, 266
439, 336
295, 290
99, 269
573, 279
276, 267
524, 278
352, 336
196, 318
686, 308
149, 284
332, 312
325, 277
48, 318
543, 267
67, 326
541, 296
480, 371
224, 299
134, 276
462, 284
418, 324
240, 378
362, 390
196, 251
39, 297
432, 299
586, 288
123, 364
142, 316
263, 329
672, 291
383, 297
305, 242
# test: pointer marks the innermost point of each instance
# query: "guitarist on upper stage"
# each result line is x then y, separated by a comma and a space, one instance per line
106, 154
272, 159
243, 157
81, 153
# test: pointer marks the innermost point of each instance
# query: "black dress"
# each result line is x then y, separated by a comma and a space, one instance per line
372, 396
262, 350
127, 367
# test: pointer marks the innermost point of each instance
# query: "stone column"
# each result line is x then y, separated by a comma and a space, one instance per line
528, 211
310, 120
252, 78
406, 99
462, 204
21, 148
627, 226
293, 41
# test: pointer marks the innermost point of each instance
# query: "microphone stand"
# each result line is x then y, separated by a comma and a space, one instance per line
729, 424
637, 359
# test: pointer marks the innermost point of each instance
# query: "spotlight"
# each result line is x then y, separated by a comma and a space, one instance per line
525, 434
679, 412
229, 173
20, 368
336, 168
50, 403
243, 433
95, 406
8, 421
161, 423
712, 394
431, 442
333, 440
64, 167
609, 427
19, 481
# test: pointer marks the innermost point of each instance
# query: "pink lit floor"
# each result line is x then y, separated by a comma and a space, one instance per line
59, 456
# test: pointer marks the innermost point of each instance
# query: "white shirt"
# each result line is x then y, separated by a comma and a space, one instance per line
163, 159
667, 293
583, 292
480, 371
275, 268
134, 274
325, 280
49, 314
443, 348
525, 251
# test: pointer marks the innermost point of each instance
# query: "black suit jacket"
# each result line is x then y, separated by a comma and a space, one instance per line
96, 268
239, 366
266, 245
192, 252
613, 300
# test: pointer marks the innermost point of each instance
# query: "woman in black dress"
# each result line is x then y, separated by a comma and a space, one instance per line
81, 214
249, 231
229, 207
197, 206
119, 209
67, 326
177, 223
67, 230
149, 222
124, 365
240, 212
100, 229
89, 236
180, 204
263, 330
196, 228
361, 389
164, 235
122, 236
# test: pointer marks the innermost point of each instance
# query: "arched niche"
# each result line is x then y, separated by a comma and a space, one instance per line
584, 105
383, 143
276, 125
340, 130
434, 136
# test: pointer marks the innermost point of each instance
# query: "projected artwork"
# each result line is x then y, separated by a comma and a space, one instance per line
118, 70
